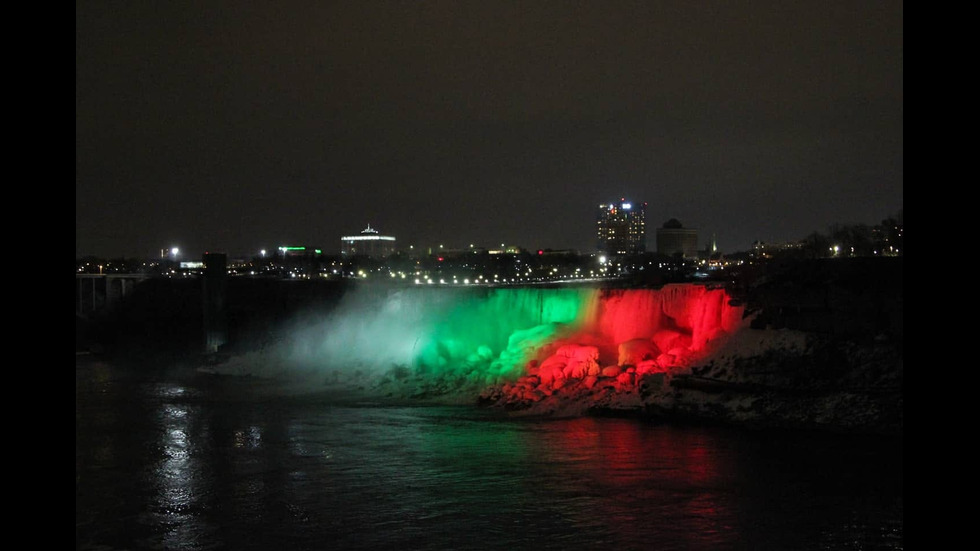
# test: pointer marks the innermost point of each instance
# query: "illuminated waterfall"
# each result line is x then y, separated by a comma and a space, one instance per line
475, 337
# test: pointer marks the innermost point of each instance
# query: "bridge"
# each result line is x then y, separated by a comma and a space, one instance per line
96, 293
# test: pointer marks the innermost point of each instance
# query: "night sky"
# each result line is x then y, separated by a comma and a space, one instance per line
235, 126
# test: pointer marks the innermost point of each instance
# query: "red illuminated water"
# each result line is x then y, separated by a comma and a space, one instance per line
626, 335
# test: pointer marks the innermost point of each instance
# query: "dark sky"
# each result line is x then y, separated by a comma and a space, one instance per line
233, 126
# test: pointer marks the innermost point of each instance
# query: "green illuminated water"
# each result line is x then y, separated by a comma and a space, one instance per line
496, 333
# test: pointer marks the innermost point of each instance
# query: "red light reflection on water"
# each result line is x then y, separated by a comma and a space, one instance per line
627, 466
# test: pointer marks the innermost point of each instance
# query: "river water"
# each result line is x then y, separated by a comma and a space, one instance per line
178, 460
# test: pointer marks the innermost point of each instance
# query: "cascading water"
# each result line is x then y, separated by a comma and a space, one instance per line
535, 340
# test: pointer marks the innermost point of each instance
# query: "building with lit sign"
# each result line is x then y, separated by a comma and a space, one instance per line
299, 252
673, 239
621, 227
297, 261
369, 243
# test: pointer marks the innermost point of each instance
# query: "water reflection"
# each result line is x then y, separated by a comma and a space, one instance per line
179, 472
201, 464
250, 438
637, 477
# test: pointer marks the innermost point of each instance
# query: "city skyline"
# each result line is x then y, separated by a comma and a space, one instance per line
224, 127
651, 240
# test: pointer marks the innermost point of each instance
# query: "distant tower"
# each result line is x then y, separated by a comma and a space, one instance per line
621, 227
674, 238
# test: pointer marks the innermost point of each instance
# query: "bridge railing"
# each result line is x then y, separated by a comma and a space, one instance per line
97, 293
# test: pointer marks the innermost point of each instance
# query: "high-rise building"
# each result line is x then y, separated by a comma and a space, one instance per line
621, 227
368, 243
674, 239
